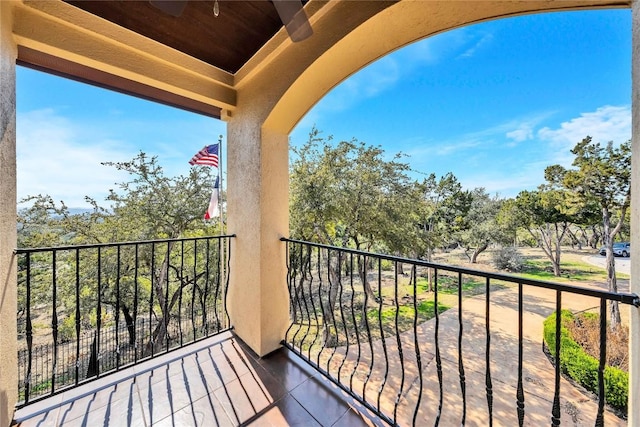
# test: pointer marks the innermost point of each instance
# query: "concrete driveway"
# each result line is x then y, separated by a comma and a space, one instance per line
623, 265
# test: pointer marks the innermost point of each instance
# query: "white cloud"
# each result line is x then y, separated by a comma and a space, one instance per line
478, 44
517, 130
523, 129
523, 133
608, 123
58, 157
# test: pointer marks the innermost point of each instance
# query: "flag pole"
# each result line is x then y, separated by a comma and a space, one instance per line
220, 189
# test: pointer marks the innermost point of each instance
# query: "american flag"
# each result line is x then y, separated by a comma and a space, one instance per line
207, 156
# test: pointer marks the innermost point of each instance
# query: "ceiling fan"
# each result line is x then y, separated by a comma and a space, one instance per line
291, 14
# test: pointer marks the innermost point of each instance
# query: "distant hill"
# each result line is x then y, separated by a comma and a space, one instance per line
79, 211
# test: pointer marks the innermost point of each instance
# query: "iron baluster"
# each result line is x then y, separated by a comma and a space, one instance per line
353, 315
399, 343
369, 338
181, 285
520, 388
135, 303
314, 310
117, 314
602, 397
226, 277
54, 320
555, 413
29, 334
437, 343
99, 313
77, 252
165, 315
487, 322
384, 347
307, 273
344, 322
463, 384
331, 306
152, 338
416, 344
206, 290
193, 288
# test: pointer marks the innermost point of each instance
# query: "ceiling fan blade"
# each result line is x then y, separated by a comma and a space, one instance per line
294, 18
171, 7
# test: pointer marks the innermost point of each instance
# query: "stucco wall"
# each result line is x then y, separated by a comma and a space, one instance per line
8, 305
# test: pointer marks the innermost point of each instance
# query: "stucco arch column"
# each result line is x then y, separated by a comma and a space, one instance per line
258, 212
269, 95
8, 278
634, 322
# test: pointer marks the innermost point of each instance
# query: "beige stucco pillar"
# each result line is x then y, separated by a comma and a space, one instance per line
634, 322
258, 192
8, 305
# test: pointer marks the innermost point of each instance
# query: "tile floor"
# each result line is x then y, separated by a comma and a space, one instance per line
216, 382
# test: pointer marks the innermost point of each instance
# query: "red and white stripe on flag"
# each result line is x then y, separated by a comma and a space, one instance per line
213, 210
208, 156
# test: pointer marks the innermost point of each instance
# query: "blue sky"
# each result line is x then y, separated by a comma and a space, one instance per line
494, 103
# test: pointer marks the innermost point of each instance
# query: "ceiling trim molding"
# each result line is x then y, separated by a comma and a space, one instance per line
63, 31
61, 67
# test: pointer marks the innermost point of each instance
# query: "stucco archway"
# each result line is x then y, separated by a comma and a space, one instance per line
388, 30
275, 94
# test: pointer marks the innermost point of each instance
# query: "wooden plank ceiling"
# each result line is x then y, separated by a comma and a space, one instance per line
227, 41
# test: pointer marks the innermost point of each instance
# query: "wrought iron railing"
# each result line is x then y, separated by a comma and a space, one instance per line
362, 320
89, 310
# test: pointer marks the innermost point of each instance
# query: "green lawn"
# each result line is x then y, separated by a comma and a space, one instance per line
571, 271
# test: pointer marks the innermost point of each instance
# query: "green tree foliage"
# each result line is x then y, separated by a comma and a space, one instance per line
442, 208
508, 219
602, 177
545, 215
347, 194
481, 227
148, 206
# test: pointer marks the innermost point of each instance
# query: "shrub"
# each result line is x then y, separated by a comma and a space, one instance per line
67, 328
508, 258
583, 368
386, 265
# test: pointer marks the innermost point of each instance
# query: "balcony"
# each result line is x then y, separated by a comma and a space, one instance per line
215, 382
361, 348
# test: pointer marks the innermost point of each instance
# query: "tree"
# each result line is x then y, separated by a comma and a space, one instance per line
481, 224
442, 207
346, 194
509, 221
341, 193
439, 214
545, 216
152, 206
148, 206
602, 176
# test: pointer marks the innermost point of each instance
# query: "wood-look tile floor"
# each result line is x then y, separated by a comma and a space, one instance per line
215, 382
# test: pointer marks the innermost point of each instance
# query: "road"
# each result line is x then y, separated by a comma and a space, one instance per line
623, 265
